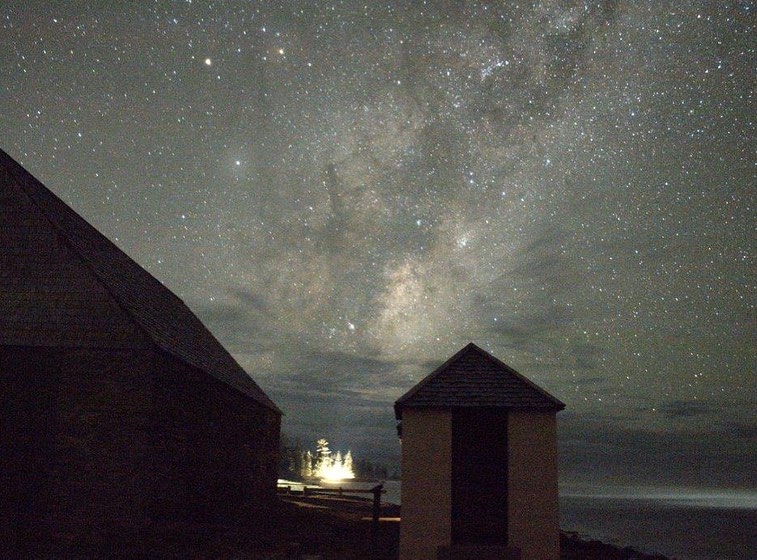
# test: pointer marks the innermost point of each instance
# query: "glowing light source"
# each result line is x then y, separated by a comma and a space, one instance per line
335, 471
331, 467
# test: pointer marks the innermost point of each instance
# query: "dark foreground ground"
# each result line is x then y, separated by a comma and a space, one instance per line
307, 528
333, 528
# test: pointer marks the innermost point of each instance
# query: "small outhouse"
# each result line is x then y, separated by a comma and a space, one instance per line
479, 463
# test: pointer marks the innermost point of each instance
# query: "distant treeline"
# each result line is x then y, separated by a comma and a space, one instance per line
298, 462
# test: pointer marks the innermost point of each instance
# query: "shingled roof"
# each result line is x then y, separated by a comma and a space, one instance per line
96, 296
475, 378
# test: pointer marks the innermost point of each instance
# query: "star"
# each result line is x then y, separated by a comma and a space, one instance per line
515, 174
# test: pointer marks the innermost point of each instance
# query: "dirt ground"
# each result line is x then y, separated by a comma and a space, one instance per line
323, 528
300, 528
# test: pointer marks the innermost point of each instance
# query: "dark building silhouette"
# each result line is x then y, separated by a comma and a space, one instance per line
479, 463
121, 415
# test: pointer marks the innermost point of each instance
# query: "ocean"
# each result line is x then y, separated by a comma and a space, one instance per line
685, 524
688, 526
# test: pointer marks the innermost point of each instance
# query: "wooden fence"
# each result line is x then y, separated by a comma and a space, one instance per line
376, 491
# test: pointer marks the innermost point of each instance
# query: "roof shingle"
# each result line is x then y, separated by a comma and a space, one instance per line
475, 378
99, 284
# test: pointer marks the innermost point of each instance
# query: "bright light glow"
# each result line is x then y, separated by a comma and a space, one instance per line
326, 465
208, 62
335, 471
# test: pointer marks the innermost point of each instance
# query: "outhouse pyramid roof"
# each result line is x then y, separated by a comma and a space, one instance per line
475, 378
45, 301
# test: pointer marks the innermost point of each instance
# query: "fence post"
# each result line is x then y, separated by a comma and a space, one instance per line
375, 522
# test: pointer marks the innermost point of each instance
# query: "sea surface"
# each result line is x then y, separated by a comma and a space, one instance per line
685, 524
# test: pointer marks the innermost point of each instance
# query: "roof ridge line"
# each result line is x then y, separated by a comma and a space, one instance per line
428, 378
522, 377
460, 380
81, 258
217, 362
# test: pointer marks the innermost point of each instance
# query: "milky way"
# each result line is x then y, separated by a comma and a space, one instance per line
348, 192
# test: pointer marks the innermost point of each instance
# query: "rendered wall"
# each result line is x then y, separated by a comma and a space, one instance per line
426, 482
532, 485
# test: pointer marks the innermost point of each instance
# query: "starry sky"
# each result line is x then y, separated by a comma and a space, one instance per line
347, 193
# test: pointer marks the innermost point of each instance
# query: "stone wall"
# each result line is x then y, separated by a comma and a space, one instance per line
104, 448
225, 445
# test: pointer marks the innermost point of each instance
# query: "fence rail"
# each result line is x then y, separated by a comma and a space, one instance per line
310, 490
376, 491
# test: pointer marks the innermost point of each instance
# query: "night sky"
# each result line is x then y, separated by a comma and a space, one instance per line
347, 193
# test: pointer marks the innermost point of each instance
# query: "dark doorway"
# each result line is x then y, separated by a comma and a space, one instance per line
479, 476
